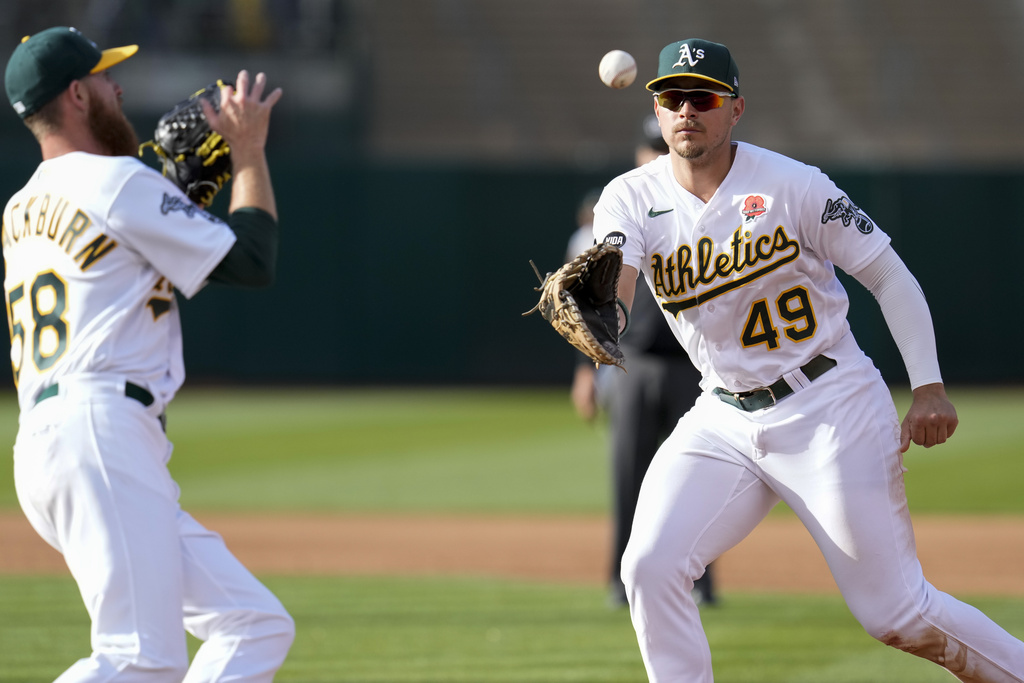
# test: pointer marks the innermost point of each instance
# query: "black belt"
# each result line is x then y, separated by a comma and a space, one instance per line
130, 390
757, 399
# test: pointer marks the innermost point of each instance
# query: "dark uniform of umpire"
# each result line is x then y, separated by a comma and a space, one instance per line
644, 406
645, 403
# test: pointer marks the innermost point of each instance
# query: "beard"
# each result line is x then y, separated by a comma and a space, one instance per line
112, 130
690, 151
701, 152
689, 148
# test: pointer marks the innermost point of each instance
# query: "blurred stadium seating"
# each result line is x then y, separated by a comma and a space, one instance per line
853, 82
416, 136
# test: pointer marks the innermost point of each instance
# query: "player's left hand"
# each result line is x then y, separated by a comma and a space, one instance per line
584, 391
931, 418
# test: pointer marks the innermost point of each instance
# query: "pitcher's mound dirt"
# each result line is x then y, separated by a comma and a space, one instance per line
966, 555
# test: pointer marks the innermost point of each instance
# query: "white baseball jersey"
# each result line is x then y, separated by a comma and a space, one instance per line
91, 269
746, 281
747, 284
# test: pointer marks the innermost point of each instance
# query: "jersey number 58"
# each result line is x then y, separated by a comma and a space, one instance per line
48, 300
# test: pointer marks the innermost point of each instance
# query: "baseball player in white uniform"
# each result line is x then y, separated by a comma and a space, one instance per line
739, 245
94, 246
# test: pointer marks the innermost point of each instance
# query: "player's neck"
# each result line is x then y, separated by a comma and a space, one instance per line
702, 177
59, 144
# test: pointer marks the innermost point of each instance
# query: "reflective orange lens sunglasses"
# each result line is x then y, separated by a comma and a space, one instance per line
702, 100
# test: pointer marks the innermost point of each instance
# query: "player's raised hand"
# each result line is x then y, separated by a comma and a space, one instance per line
243, 121
930, 420
244, 116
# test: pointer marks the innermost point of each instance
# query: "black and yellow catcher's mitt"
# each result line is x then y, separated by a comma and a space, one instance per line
580, 301
195, 158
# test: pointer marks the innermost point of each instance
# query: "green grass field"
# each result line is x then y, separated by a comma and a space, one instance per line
484, 452
372, 630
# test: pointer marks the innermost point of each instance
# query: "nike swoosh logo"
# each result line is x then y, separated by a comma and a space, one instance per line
654, 214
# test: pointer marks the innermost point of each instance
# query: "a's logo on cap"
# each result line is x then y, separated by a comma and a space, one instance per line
691, 58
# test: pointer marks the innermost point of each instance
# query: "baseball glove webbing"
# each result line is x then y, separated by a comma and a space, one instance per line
580, 302
195, 158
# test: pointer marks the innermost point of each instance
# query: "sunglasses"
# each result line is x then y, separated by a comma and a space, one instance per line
702, 100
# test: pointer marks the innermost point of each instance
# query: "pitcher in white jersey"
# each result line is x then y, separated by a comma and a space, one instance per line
94, 246
739, 246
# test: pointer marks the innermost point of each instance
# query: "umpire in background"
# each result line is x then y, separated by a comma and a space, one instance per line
643, 404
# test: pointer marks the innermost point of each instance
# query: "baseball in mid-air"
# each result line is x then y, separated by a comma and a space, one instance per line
617, 69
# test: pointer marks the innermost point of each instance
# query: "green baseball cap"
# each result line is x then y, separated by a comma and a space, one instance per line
698, 58
43, 66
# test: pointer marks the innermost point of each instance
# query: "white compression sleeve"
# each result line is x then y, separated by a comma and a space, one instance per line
906, 313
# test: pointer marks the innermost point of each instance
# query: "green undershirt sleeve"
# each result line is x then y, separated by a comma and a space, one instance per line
252, 260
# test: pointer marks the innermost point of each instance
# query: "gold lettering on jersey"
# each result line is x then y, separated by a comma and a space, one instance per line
51, 229
43, 217
48, 222
163, 299
28, 218
79, 222
746, 259
8, 229
94, 251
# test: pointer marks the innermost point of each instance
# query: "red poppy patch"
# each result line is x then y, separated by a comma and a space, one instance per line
753, 206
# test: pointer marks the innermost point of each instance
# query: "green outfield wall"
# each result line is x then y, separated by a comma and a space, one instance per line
420, 273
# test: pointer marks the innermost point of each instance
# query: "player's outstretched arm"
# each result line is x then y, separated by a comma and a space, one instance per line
243, 121
931, 418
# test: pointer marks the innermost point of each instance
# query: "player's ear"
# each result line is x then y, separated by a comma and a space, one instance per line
738, 106
77, 95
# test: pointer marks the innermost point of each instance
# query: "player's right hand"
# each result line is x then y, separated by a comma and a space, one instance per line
931, 418
244, 116
243, 121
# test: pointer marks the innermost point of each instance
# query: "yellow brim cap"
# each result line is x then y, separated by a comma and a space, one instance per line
650, 86
114, 55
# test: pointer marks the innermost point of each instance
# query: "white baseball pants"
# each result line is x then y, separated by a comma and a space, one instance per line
831, 452
91, 475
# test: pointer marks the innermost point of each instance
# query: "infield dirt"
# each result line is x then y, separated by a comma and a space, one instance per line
965, 555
